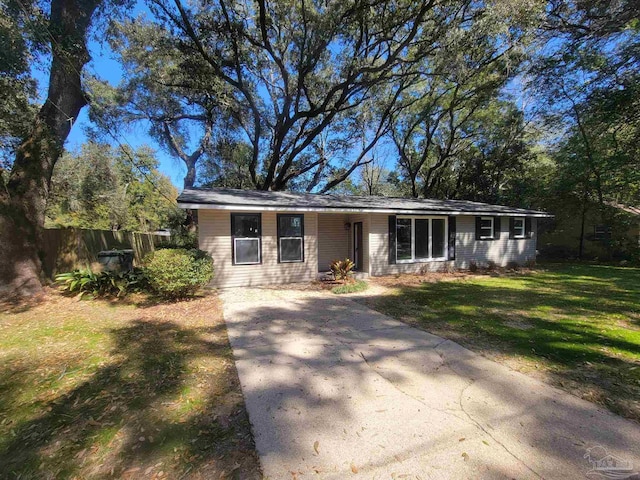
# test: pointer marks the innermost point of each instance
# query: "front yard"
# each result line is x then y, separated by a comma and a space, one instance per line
576, 326
126, 389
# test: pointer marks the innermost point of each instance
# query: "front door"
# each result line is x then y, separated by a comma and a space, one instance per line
357, 245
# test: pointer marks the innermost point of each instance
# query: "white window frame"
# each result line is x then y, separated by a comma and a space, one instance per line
493, 229
521, 228
235, 250
430, 258
301, 250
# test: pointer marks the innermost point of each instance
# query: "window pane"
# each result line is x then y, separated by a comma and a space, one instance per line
291, 249
518, 227
422, 238
291, 226
486, 227
246, 226
437, 249
247, 250
403, 238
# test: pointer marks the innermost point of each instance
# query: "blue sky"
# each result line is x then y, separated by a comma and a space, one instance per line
104, 66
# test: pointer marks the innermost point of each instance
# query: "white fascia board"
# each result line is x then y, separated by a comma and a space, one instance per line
259, 208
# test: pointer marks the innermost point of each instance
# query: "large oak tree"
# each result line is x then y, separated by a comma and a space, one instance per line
23, 195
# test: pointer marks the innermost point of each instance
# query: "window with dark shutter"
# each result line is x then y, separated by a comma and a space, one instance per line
519, 230
497, 227
485, 228
418, 239
527, 228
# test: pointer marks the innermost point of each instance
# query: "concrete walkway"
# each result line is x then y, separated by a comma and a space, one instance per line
336, 390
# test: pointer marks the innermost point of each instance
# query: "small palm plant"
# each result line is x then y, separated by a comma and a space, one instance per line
342, 269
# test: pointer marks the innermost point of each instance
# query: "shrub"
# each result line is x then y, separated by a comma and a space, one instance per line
491, 266
473, 266
102, 284
513, 265
342, 269
178, 272
357, 286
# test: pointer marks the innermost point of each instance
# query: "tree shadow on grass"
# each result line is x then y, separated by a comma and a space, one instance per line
136, 410
583, 326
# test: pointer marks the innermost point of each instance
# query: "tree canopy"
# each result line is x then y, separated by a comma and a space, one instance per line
531, 103
112, 189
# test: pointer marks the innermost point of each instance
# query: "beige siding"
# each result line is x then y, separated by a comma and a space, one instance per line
379, 251
215, 238
333, 239
501, 251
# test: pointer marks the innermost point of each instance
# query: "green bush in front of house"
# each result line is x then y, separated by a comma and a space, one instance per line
102, 284
178, 272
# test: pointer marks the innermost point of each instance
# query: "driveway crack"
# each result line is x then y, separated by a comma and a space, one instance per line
413, 397
488, 433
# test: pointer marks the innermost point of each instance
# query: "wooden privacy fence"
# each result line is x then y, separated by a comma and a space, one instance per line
66, 249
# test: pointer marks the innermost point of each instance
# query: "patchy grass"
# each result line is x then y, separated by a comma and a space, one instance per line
576, 325
350, 287
124, 389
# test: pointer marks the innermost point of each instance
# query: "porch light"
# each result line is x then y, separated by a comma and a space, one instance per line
347, 226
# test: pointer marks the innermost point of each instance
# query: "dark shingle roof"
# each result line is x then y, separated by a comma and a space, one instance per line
226, 198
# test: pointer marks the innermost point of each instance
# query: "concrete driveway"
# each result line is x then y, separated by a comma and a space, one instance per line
336, 390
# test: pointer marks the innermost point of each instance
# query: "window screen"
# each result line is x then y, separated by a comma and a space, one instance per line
246, 232
291, 238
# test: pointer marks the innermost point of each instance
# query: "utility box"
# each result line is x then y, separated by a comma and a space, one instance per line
116, 260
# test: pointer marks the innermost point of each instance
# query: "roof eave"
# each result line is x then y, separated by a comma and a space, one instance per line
280, 208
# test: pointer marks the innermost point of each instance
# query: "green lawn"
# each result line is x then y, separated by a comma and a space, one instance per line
123, 389
577, 325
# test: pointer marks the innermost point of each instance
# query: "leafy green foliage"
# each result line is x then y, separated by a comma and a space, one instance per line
352, 287
178, 272
103, 284
104, 188
342, 269
18, 52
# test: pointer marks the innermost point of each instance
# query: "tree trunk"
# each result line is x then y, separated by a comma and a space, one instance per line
583, 220
23, 199
190, 177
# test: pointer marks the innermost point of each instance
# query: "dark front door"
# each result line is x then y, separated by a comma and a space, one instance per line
357, 245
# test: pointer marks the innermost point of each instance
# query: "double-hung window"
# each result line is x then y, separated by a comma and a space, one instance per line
519, 230
486, 228
290, 238
602, 232
246, 231
421, 238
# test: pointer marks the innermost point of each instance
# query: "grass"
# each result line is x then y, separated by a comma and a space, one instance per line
350, 287
124, 389
576, 325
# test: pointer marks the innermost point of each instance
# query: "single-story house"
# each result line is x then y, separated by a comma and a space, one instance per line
260, 237
610, 232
